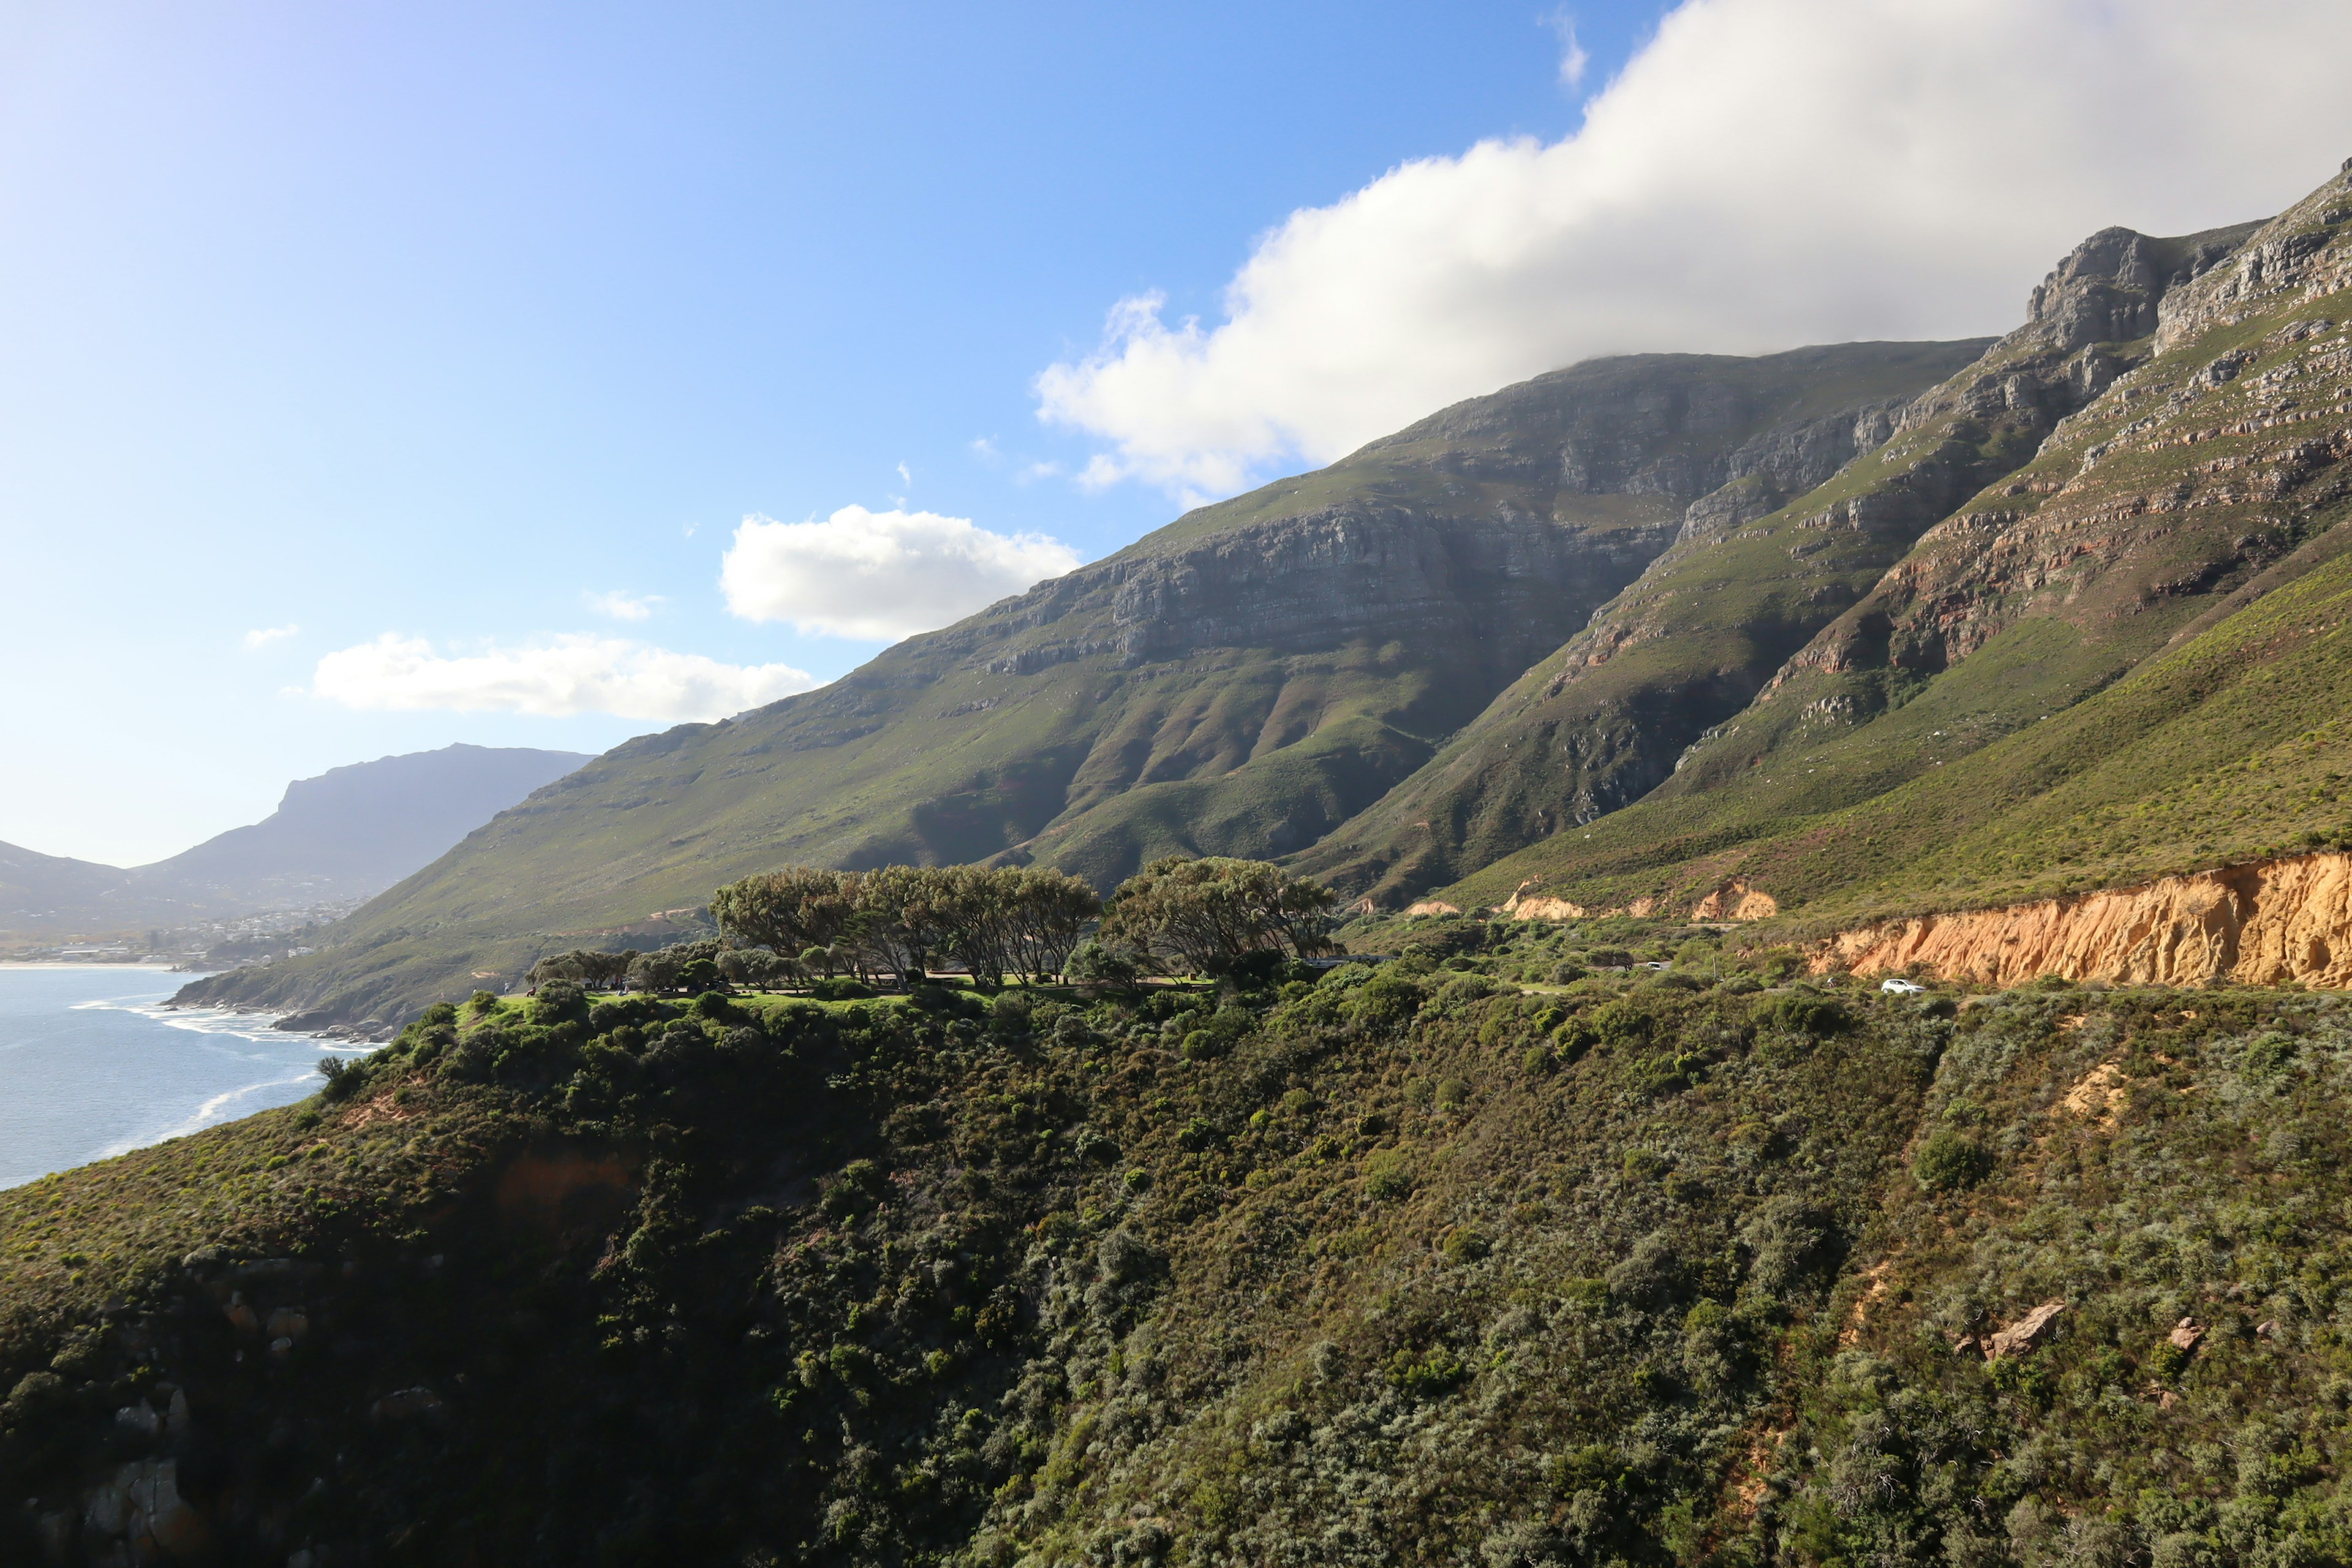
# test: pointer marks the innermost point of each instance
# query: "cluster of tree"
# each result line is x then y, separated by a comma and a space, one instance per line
688, 968
896, 922
1216, 916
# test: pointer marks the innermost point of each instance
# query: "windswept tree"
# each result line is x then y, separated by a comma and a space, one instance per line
1209, 915
786, 911
1048, 910
593, 971
895, 922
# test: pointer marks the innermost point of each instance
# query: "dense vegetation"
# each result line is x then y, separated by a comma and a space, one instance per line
1510, 1250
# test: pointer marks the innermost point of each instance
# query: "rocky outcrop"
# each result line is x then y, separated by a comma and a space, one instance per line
2091, 322
1320, 579
2270, 924
2294, 258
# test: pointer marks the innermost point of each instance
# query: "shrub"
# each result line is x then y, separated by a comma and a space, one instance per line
1650, 1274
1434, 1372
1386, 1003
1464, 1244
1950, 1160
1387, 1176
1096, 964
1804, 1013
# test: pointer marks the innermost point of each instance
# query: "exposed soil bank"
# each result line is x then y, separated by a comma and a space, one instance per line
2259, 925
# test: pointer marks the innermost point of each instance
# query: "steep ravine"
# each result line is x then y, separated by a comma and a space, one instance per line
2272, 923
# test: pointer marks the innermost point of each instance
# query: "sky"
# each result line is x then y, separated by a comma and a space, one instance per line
378, 377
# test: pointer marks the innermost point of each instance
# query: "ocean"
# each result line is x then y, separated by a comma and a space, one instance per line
91, 1064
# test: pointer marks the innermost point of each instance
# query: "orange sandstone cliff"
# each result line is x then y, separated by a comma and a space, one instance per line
2258, 924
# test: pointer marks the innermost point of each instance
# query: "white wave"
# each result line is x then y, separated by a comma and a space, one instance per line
218, 1108
218, 1021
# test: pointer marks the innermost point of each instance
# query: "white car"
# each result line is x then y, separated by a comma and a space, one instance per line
1902, 987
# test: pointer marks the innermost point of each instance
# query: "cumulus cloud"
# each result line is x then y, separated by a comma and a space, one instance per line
622, 606
262, 636
861, 574
1762, 174
562, 675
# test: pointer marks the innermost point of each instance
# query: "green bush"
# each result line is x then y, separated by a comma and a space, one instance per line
1804, 1013
1389, 1176
1950, 1162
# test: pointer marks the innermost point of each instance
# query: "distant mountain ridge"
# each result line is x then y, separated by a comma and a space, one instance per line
349, 833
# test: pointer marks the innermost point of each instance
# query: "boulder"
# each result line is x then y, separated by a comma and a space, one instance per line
2023, 1334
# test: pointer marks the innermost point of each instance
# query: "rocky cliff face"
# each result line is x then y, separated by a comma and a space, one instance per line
1314, 580
1728, 610
2286, 922
2091, 322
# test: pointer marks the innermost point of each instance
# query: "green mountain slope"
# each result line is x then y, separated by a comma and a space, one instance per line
1601, 722
1239, 682
1404, 1267
2151, 602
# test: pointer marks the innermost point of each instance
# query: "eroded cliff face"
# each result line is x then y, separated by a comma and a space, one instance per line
2269, 924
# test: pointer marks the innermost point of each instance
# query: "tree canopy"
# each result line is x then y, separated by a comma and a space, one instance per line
1210, 916
895, 922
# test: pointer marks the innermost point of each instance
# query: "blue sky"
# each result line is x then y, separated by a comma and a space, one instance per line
433, 322
435, 317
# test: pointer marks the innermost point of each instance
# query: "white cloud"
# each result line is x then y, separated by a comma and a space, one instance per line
262, 636
1763, 174
622, 606
562, 675
861, 574
1573, 60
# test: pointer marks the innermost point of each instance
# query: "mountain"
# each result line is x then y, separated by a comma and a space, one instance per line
1839, 637
1241, 681
347, 834
2123, 662
1604, 721
356, 830
39, 891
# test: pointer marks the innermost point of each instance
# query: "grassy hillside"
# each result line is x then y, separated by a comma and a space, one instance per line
1422, 1264
1240, 682
2072, 680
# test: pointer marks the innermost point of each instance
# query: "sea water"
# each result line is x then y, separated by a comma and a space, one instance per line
93, 1063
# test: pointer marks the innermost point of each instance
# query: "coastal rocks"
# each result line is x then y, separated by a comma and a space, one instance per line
2270, 924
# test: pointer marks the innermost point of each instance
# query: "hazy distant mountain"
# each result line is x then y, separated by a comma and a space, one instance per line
349, 832
32, 885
